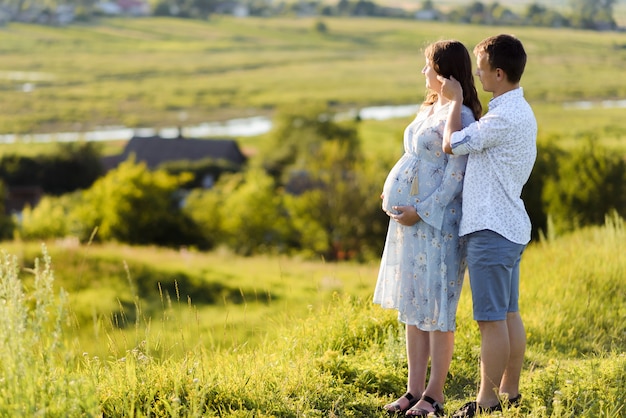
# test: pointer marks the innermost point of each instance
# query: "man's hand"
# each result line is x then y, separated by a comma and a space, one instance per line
407, 215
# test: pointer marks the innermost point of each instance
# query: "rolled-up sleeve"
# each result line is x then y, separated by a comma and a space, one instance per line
471, 140
458, 142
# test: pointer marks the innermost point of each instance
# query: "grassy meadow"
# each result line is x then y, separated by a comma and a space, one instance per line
147, 72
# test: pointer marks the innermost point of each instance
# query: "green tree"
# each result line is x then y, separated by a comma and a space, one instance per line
74, 165
298, 136
203, 207
69, 167
428, 5
332, 195
19, 170
252, 216
321, 27
539, 15
476, 13
344, 8
199, 9
339, 217
593, 14
499, 13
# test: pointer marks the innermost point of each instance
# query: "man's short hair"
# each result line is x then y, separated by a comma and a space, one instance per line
505, 52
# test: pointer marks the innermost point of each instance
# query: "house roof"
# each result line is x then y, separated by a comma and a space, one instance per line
155, 150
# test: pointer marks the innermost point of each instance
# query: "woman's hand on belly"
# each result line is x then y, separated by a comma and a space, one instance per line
406, 215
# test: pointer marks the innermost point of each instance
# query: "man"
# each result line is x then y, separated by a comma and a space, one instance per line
501, 149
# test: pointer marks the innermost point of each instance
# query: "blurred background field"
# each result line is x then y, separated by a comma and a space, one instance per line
165, 72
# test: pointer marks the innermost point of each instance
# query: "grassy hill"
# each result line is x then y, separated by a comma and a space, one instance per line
308, 343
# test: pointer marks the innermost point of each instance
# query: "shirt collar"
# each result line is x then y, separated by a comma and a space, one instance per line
513, 94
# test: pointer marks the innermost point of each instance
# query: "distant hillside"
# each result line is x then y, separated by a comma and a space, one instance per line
562, 6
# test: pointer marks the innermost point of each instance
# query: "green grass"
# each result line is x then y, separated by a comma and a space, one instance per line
320, 348
221, 303
144, 72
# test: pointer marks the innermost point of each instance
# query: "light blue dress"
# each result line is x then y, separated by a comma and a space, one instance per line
422, 266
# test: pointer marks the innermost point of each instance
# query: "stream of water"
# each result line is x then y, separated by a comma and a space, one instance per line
242, 127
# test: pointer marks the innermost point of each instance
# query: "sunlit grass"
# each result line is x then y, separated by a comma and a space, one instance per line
120, 284
307, 341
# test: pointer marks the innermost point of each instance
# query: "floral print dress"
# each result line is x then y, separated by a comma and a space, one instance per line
423, 266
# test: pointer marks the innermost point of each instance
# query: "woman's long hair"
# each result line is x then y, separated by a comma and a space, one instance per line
451, 58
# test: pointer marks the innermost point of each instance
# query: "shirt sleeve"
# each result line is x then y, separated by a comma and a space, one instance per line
484, 133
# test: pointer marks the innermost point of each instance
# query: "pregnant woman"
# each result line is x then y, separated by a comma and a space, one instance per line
423, 263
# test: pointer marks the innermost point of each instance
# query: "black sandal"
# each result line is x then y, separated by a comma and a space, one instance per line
472, 409
395, 408
516, 401
419, 412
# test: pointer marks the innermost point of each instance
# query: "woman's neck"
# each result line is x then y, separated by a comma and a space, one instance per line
439, 103
442, 101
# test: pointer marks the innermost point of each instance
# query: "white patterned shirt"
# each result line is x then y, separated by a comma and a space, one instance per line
502, 151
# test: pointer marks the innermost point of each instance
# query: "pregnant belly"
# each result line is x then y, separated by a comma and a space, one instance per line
397, 190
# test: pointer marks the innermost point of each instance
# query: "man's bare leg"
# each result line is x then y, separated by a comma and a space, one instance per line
494, 357
517, 344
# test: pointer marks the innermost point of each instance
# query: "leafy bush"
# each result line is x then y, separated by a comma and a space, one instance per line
130, 204
134, 205
589, 183
203, 208
330, 191
252, 216
545, 168
573, 188
51, 218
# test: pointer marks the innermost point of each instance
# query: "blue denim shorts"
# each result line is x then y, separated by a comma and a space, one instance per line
493, 264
